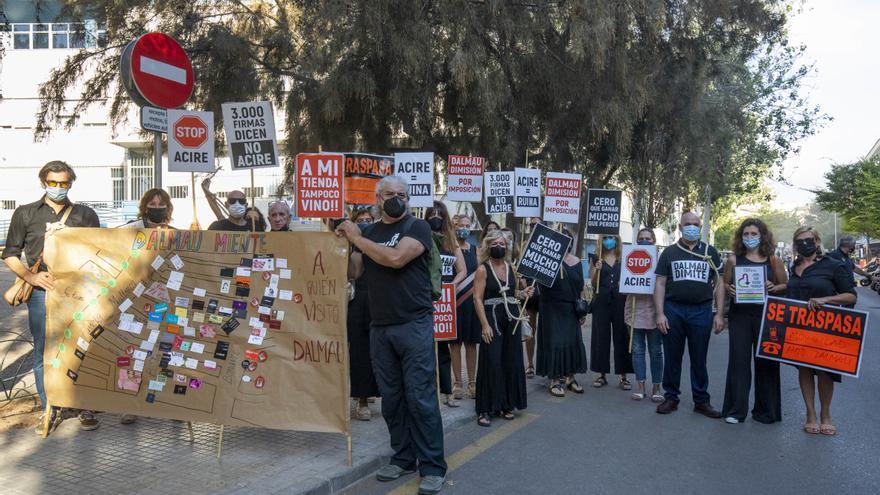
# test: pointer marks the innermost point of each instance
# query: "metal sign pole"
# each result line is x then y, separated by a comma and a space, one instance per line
157, 160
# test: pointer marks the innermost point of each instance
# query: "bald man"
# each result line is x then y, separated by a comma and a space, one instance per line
236, 204
687, 276
279, 216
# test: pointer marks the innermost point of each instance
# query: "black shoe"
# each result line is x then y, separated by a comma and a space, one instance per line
707, 410
668, 406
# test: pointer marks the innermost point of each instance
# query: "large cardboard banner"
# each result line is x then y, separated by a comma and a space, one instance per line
562, 197
499, 193
250, 134
603, 211
319, 185
830, 339
243, 329
637, 272
362, 174
418, 170
190, 141
465, 178
445, 325
542, 258
528, 192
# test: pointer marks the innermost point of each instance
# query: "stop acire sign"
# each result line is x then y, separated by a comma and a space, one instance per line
190, 131
639, 262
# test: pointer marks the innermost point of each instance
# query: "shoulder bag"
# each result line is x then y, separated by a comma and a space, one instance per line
21, 291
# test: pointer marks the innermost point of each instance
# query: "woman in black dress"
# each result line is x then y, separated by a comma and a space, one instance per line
753, 246
820, 280
501, 378
608, 322
466, 317
561, 351
360, 368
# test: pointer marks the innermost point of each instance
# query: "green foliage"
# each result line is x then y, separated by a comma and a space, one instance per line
782, 224
853, 190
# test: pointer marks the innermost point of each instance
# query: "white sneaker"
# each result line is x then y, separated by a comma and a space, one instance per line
731, 420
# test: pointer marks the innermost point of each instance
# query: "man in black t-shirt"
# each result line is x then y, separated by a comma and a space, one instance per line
687, 278
236, 204
843, 253
392, 256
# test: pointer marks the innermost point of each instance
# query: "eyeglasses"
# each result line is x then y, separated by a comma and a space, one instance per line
232, 201
389, 195
61, 184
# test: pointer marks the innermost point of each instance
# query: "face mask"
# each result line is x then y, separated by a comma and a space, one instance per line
609, 243
691, 233
394, 207
463, 233
752, 243
644, 242
436, 223
57, 194
236, 210
805, 247
363, 225
497, 252
156, 215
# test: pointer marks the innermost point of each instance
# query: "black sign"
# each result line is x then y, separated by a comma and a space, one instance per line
603, 211
543, 255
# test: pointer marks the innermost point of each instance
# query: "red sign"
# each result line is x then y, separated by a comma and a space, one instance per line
829, 338
362, 173
319, 185
639, 262
161, 70
444, 314
190, 131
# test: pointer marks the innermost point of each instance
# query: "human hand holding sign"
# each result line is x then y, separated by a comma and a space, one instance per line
44, 280
816, 303
348, 230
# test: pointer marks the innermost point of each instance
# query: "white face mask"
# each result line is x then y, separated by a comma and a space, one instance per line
236, 210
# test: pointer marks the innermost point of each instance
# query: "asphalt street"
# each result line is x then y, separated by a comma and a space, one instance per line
604, 442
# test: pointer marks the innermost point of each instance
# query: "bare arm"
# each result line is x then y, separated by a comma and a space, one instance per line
659, 299
460, 268
720, 295
213, 202
355, 265
479, 294
398, 256
41, 279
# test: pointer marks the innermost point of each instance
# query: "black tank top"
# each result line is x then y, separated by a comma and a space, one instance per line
493, 290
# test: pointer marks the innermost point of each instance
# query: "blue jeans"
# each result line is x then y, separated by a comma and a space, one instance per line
691, 323
37, 326
655, 348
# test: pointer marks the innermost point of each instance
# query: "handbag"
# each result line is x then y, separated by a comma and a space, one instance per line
21, 291
527, 331
582, 308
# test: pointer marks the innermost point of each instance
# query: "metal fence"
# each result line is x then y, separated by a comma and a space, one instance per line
15, 365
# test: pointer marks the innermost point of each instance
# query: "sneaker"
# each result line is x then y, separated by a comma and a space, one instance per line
392, 472
54, 421
668, 406
87, 421
127, 419
731, 420
363, 413
431, 485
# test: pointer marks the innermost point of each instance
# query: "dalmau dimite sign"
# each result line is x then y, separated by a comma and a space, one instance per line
603, 211
830, 338
250, 133
465, 181
418, 170
190, 141
499, 192
637, 270
562, 197
319, 185
444, 314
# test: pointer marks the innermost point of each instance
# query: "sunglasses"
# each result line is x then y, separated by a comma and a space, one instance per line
232, 201
62, 185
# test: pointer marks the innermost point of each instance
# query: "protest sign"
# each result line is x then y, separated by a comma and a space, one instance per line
418, 170
749, 282
319, 185
362, 174
250, 134
637, 270
444, 314
830, 338
528, 192
465, 178
562, 197
603, 211
499, 192
182, 325
190, 141
542, 258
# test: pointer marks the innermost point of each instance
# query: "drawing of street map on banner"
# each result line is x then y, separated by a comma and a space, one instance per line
243, 329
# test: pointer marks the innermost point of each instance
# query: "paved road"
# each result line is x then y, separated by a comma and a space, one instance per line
603, 442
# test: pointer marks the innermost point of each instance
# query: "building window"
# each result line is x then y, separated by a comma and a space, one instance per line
59, 35
221, 194
253, 192
177, 192
140, 165
117, 177
7, 204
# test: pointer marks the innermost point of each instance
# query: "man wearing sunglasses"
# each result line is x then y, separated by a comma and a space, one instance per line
27, 233
236, 204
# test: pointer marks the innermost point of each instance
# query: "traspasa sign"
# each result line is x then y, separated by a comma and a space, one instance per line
637, 270
191, 141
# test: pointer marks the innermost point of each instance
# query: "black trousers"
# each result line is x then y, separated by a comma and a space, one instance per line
404, 364
444, 367
744, 326
608, 327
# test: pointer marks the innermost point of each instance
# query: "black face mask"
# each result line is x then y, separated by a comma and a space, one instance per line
363, 225
394, 207
436, 223
156, 215
497, 252
805, 247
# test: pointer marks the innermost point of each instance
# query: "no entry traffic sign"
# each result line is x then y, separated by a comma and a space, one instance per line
156, 70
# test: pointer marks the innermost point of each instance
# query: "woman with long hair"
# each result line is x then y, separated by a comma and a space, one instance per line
360, 369
454, 271
469, 327
608, 322
501, 378
753, 246
639, 313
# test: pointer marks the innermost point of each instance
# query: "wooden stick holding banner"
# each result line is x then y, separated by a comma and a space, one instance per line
525, 301
220, 442
253, 203
189, 427
195, 223
47, 420
632, 328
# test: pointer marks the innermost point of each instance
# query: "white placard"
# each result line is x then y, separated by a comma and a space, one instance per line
498, 187
528, 193
418, 171
637, 271
190, 141
465, 178
562, 197
749, 282
250, 134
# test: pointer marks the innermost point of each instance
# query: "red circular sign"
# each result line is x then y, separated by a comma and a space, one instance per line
639, 262
190, 131
161, 70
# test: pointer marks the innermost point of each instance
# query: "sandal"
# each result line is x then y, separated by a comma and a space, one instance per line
450, 401
483, 420
456, 391
600, 382
811, 428
658, 398
827, 429
508, 415
472, 390
557, 389
530, 372
638, 396
625, 384
574, 386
